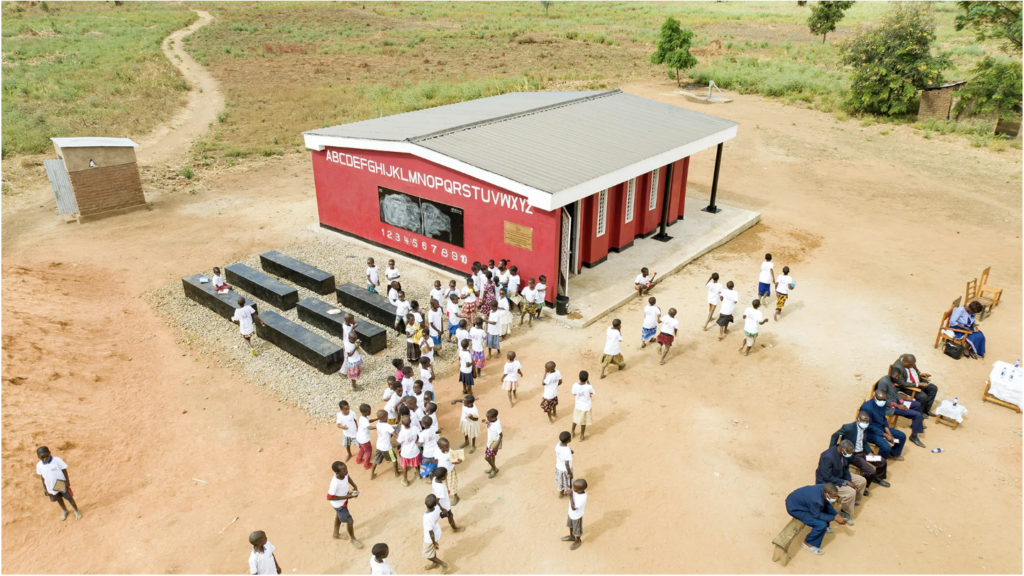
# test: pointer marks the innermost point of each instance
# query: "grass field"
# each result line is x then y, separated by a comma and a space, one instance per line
74, 69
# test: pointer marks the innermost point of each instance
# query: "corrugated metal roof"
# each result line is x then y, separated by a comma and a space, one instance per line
90, 142
423, 122
61, 185
560, 147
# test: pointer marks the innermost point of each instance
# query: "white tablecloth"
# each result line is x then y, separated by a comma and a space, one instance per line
949, 411
1007, 383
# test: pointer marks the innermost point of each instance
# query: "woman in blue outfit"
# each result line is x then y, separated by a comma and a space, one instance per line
962, 320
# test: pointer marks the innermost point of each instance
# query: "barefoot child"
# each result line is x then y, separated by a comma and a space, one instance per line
730, 298
427, 374
218, 281
577, 502
432, 534
469, 422
461, 332
643, 283
494, 329
510, 381
612, 351
513, 289
669, 327
494, 440
466, 368
353, 360
262, 559
56, 481
444, 460
435, 320
402, 308
372, 278
549, 399
391, 406
398, 363
453, 310
714, 297
478, 336
440, 489
427, 439
363, 436
245, 315
410, 451
752, 320
378, 562
347, 423
528, 308
766, 278
783, 284
438, 293
650, 326
407, 381
563, 464
339, 495
385, 432
582, 413
540, 296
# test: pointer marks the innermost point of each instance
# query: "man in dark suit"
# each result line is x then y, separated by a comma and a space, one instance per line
812, 505
910, 376
856, 433
890, 442
909, 409
834, 468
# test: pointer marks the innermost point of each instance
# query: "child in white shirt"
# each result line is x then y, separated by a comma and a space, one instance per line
577, 502
477, 335
452, 308
540, 296
510, 380
729, 299
549, 399
495, 436
494, 329
612, 351
245, 315
439, 488
669, 327
752, 320
444, 460
385, 432
347, 423
582, 413
378, 561
218, 281
528, 307
650, 326
783, 284
563, 464
372, 278
766, 278
392, 273
643, 283
714, 297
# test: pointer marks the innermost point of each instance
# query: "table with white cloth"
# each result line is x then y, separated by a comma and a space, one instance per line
1006, 383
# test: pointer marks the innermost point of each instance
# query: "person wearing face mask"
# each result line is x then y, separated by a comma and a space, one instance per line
910, 376
834, 468
873, 470
813, 505
890, 442
894, 404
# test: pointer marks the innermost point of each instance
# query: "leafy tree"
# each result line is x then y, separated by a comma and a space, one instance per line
893, 60
1000, 20
825, 16
674, 47
994, 89
547, 6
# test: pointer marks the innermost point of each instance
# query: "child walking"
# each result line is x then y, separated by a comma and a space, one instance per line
444, 460
410, 450
577, 503
752, 320
466, 368
669, 327
766, 278
563, 464
540, 296
347, 423
478, 336
783, 284
339, 495
440, 489
650, 326
612, 351
363, 436
245, 315
385, 432
729, 298
510, 380
581, 413
549, 399
714, 297
428, 443
56, 479
432, 534
469, 422
494, 441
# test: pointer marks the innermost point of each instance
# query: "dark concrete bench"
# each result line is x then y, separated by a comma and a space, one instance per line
298, 272
204, 294
367, 304
301, 342
313, 311
270, 290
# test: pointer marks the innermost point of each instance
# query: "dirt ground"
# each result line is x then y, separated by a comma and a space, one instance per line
881, 233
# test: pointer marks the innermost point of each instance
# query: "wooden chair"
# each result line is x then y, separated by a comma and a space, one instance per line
985, 288
974, 294
960, 338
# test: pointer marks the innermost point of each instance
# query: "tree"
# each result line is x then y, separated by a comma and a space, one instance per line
994, 89
674, 47
1000, 20
893, 60
547, 6
825, 16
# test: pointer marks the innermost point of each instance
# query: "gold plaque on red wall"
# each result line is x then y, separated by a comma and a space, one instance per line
519, 236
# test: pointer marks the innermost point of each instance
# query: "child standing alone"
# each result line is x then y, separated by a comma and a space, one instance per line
494, 441
469, 422
577, 503
549, 399
581, 414
563, 464
513, 370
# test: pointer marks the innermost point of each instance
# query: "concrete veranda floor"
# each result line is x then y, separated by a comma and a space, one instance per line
597, 291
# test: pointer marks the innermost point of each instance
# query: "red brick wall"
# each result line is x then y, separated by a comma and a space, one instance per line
102, 189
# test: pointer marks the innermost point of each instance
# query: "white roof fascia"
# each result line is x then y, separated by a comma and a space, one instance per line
538, 198
94, 142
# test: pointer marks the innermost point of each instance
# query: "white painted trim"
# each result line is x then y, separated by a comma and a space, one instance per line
652, 196
538, 198
630, 199
602, 213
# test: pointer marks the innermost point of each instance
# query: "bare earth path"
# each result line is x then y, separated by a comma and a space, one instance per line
170, 142
689, 463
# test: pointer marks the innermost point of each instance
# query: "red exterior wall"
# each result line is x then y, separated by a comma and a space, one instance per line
678, 192
622, 233
650, 220
346, 191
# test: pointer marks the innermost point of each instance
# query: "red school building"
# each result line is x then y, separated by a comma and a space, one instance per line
550, 181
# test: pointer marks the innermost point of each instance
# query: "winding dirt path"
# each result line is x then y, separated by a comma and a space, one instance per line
170, 141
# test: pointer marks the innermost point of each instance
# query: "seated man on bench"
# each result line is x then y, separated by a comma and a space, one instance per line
874, 469
834, 468
890, 442
909, 409
910, 377
813, 505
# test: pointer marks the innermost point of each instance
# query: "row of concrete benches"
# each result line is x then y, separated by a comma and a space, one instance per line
292, 337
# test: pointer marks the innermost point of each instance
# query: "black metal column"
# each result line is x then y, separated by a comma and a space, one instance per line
662, 235
714, 183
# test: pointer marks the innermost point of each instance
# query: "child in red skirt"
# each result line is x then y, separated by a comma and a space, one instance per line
410, 455
363, 436
494, 438
669, 326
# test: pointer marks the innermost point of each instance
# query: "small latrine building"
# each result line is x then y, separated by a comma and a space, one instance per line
95, 177
936, 101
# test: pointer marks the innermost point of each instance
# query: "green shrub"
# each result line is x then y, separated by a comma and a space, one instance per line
187, 172
222, 116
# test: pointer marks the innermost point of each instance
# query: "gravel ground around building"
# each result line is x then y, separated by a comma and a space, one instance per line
208, 336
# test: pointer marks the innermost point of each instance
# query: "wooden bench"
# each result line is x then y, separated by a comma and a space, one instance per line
986, 397
204, 294
313, 311
784, 539
298, 272
266, 288
301, 342
367, 304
